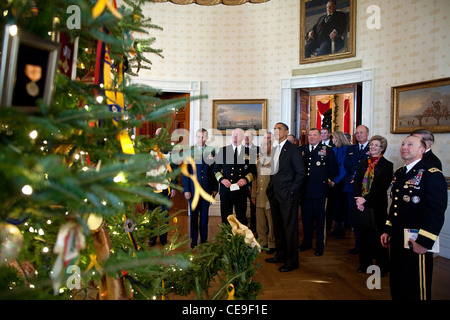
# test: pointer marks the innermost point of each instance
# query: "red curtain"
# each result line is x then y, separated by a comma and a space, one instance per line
321, 109
347, 115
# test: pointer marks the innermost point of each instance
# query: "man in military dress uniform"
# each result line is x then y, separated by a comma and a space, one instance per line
203, 156
234, 169
419, 201
321, 165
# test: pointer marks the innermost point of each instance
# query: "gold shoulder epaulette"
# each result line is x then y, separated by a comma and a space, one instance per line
433, 170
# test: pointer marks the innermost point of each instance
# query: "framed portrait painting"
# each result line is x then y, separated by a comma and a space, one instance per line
27, 69
247, 114
421, 105
327, 30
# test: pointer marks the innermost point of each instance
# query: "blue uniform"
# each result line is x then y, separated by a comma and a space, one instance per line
204, 162
320, 165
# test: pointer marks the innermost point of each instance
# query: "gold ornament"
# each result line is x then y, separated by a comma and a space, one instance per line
11, 242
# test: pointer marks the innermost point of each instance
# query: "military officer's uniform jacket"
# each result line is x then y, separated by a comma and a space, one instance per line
320, 165
419, 201
226, 167
204, 163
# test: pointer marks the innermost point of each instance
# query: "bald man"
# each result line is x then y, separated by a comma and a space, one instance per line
419, 201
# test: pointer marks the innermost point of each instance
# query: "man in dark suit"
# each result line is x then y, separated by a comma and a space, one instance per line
282, 191
234, 169
327, 28
419, 200
204, 162
321, 166
428, 157
355, 153
254, 152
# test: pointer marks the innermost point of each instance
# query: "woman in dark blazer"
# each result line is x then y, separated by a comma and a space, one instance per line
372, 180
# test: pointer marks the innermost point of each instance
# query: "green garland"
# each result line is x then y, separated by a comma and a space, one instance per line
227, 258
336, 113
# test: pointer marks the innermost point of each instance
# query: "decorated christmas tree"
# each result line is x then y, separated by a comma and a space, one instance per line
75, 178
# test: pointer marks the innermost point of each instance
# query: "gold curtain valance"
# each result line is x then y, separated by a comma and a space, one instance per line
213, 2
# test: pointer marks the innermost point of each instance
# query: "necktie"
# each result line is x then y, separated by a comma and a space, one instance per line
402, 173
327, 18
235, 155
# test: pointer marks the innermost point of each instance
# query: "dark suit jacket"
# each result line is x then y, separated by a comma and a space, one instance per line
204, 164
225, 168
337, 21
351, 163
377, 198
284, 185
430, 159
321, 165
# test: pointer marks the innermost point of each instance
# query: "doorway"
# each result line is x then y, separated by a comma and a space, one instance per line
336, 107
178, 120
296, 105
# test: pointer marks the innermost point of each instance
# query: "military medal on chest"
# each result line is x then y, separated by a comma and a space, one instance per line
415, 181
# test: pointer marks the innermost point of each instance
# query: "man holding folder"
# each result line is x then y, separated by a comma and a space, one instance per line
419, 201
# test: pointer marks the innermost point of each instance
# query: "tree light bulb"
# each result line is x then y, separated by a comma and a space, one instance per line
119, 178
33, 134
27, 190
13, 30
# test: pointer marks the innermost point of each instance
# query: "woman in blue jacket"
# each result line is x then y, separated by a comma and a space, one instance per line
337, 205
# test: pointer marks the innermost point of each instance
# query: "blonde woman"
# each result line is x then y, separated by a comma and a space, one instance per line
337, 205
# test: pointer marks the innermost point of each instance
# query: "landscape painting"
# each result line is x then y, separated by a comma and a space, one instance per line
421, 105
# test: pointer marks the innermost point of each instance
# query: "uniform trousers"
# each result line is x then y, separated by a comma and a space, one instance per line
239, 202
264, 227
410, 274
202, 212
152, 206
313, 209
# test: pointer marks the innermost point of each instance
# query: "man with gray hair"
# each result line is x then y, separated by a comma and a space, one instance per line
234, 169
429, 157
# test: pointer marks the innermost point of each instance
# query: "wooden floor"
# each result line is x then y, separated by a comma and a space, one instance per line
332, 276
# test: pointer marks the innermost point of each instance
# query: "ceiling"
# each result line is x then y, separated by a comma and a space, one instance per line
213, 2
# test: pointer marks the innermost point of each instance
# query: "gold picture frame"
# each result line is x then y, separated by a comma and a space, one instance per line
312, 15
247, 114
421, 105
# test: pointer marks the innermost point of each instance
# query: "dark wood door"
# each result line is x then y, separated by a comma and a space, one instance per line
303, 116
